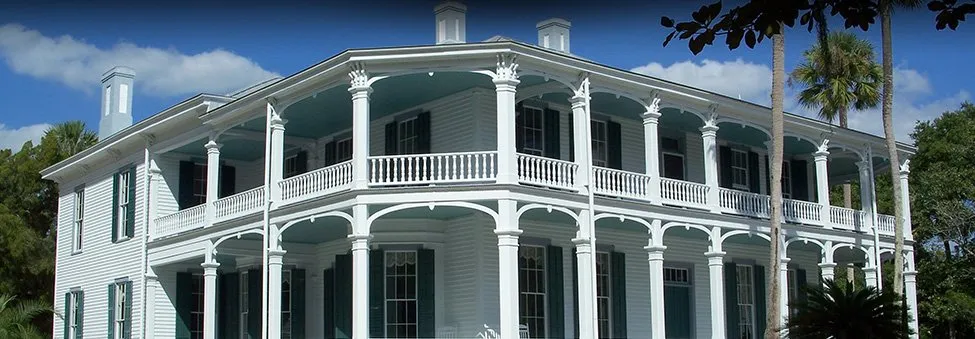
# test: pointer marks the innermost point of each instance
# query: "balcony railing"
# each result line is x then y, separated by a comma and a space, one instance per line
886, 223
239, 204
622, 184
744, 203
683, 193
847, 218
542, 171
318, 182
185, 220
802, 212
466, 167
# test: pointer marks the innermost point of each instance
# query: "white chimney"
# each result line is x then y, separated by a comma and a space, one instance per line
116, 101
451, 22
554, 34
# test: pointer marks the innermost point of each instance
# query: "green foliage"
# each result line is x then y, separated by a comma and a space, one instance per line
15, 319
847, 313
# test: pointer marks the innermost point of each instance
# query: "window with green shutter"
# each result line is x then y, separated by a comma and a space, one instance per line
120, 310
73, 311
123, 204
533, 290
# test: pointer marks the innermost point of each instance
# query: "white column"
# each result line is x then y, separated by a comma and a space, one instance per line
505, 84
716, 270
275, 259
210, 299
155, 186
579, 139
584, 270
508, 233
150, 318
213, 179
910, 291
784, 291
655, 257
360, 90
709, 133
822, 187
360, 271
870, 275
906, 201
652, 147
866, 195
277, 157
827, 271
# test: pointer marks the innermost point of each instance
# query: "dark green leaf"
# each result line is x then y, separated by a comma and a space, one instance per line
750, 39
669, 37
936, 6
666, 22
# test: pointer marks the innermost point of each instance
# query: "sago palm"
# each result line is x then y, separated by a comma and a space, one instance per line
851, 79
15, 320
835, 311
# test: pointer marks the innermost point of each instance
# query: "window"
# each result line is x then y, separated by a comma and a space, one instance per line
793, 289
79, 216
678, 276
106, 99
672, 159
532, 294
786, 180
407, 137
290, 166
603, 291
123, 202
401, 297
119, 321
244, 304
286, 304
196, 311
532, 131
199, 183
74, 317
739, 169
600, 146
746, 302
343, 150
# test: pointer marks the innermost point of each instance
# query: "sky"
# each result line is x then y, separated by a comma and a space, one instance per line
53, 53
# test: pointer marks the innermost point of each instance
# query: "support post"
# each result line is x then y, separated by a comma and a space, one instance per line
360, 271
213, 179
209, 299
870, 275
584, 271
655, 257
709, 133
866, 195
579, 139
150, 320
155, 185
506, 83
652, 146
361, 89
822, 187
716, 270
910, 292
828, 271
276, 161
905, 171
508, 234
275, 259
784, 292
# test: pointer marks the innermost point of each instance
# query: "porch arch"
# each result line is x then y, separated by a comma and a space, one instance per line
549, 208
430, 205
330, 214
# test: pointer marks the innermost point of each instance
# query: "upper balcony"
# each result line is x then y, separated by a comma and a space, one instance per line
441, 128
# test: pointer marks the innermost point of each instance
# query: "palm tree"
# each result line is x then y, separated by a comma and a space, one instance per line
847, 313
66, 139
851, 79
773, 315
15, 320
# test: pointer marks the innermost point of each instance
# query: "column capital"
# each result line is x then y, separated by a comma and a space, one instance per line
785, 260
151, 276
360, 241
827, 265
655, 252
821, 155
581, 242
210, 267
650, 117
277, 123
869, 269
359, 79
863, 165
213, 147
506, 73
578, 100
655, 248
155, 172
276, 253
709, 130
715, 258
510, 233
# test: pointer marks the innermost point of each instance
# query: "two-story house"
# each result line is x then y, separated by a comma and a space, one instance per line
430, 191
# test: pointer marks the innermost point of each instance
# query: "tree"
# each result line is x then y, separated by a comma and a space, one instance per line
15, 320
66, 139
775, 231
834, 311
850, 81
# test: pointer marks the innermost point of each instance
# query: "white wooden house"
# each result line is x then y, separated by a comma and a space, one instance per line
428, 191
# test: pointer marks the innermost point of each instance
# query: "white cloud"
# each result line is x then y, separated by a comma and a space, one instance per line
159, 72
14, 138
914, 96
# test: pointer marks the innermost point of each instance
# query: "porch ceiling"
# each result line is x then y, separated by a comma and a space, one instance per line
233, 148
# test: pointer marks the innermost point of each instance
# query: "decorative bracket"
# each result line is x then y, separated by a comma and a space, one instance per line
906, 166
507, 67
358, 77
581, 85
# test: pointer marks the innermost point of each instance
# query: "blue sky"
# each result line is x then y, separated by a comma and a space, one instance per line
52, 53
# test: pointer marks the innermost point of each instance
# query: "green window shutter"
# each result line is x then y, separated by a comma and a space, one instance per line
618, 290
228, 181
423, 133
768, 176
377, 295
111, 310
731, 298
614, 145
760, 296
130, 211
115, 180
255, 301
754, 179
724, 167
426, 290
185, 199
572, 137
328, 303
800, 180
800, 284
229, 311
80, 321
519, 128
127, 326
301, 162
677, 318
67, 314
331, 153
575, 294
551, 120
184, 304
391, 139
556, 297
298, 304
343, 296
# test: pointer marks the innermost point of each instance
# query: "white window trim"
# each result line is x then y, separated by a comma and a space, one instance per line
291, 170
609, 290
541, 129
201, 197
244, 302
751, 293
123, 205
683, 161
416, 286
547, 321
120, 302
338, 148
786, 180
734, 154
287, 331
73, 314
603, 126
402, 138
78, 224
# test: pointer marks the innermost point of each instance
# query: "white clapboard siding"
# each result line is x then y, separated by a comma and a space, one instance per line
100, 262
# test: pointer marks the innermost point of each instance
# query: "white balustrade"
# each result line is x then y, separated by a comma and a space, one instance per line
847, 218
803, 212
886, 223
320, 181
684, 193
744, 203
618, 183
411, 169
185, 220
240, 204
536, 170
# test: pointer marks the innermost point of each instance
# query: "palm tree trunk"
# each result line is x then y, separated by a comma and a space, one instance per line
847, 188
887, 107
774, 317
